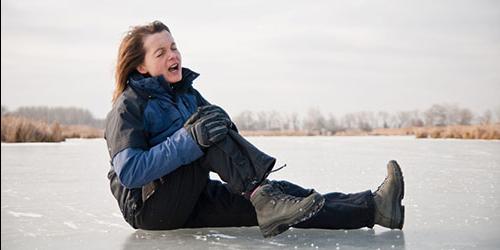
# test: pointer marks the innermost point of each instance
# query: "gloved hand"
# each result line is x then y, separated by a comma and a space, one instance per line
207, 126
209, 109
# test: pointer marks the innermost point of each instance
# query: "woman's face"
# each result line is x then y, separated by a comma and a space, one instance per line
162, 57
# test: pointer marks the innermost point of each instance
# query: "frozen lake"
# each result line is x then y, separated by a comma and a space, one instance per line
56, 196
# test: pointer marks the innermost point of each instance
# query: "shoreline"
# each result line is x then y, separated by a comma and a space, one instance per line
469, 132
20, 129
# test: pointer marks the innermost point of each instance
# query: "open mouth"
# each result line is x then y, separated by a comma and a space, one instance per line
174, 67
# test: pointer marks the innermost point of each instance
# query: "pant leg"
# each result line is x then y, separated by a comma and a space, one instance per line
341, 211
174, 200
234, 159
238, 163
219, 207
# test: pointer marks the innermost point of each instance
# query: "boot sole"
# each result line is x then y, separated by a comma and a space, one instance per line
313, 208
400, 196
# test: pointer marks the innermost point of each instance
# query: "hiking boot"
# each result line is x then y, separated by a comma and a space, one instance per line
388, 209
277, 211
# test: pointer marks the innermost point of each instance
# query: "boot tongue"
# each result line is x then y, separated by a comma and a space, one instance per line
276, 193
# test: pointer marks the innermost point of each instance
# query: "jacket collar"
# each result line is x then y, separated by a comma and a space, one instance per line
158, 84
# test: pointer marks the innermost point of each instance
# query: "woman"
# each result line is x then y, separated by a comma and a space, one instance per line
164, 138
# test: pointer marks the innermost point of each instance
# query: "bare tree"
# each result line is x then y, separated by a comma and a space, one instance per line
416, 119
348, 121
245, 120
332, 124
5, 110
275, 121
486, 117
497, 113
365, 121
383, 119
465, 117
262, 121
435, 115
404, 118
295, 121
314, 120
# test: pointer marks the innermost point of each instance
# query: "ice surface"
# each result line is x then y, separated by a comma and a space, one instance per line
56, 196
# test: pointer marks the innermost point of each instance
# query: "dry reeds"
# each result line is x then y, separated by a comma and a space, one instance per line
484, 132
421, 133
79, 131
20, 129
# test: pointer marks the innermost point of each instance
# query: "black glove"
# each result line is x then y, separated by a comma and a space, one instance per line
206, 110
207, 129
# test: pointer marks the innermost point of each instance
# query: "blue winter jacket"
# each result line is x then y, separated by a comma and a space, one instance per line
145, 135
163, 117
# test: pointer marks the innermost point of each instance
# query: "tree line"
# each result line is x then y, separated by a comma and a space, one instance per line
60, 115
314, 120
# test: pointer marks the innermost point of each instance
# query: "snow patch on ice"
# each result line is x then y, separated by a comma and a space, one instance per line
109, 224
91, 215
27, 233
201, 237
276, 244
70, 224
219, 235
19, 214
116, 215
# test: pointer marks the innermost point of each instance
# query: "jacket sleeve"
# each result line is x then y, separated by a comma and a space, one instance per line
136, 167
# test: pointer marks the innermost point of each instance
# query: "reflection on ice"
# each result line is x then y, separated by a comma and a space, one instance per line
70, 225
244, 238
18, 214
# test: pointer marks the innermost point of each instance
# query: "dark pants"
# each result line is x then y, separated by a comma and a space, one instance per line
189, 199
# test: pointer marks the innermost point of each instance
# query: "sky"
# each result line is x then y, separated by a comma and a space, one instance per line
287, 56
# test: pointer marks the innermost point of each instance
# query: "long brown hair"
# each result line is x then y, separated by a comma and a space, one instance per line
131, 53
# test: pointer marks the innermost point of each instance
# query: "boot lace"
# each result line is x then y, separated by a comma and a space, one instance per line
276, 193
382, 184
278, 169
